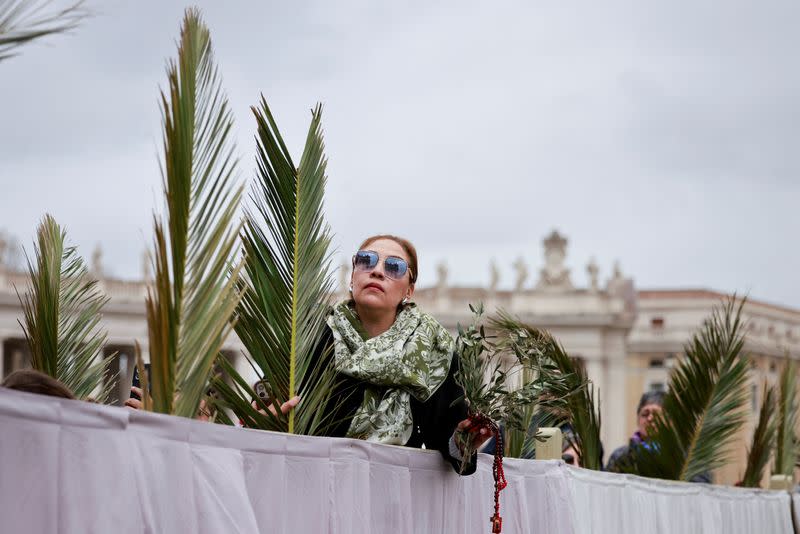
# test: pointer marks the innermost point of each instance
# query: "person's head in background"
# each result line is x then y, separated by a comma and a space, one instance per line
569, 454
34, 381
649, 405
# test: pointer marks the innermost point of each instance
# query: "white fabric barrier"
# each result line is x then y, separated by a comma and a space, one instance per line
68, 466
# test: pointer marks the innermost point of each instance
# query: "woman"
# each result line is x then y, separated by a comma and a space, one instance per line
395, 362
650, 404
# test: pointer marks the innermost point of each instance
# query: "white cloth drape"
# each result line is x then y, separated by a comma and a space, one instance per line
69, 466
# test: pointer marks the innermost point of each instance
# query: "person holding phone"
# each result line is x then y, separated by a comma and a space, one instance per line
135, 400
396, 362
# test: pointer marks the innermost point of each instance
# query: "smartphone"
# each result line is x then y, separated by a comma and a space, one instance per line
136, 382
264, 391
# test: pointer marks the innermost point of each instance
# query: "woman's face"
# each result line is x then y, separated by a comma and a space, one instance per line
646, 416
374, 290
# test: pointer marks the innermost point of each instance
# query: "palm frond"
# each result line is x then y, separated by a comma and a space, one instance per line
23, 21
762, 442
62, 312
487, 377
194, 292
786, 445
281, 318
703, 408
566, 393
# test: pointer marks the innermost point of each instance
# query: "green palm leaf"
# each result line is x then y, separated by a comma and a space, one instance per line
23, 21
62, 311
521, 442
703, 408
763, 441
194, 292
580, 410
566, 393
786, 445
281, 318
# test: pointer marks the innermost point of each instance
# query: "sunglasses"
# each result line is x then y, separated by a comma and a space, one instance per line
366, 260
569, 459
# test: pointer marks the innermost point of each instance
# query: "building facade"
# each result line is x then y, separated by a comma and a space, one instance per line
627, 338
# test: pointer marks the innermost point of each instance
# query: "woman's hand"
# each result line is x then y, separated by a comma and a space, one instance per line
203, 412
136, 404
286, 407
476, 435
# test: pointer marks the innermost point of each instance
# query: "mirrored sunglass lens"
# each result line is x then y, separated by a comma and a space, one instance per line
366, 260
396, 267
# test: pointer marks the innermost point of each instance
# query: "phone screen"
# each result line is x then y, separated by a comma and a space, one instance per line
136, 382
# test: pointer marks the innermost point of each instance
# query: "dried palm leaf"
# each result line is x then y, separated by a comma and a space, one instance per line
62, 310
24, 21
194, 292
762, 442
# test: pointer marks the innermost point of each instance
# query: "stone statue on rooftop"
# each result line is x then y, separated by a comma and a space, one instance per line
617, 271
97, 261
554, 275
593, 270
522, 273
12, 257
441, 276
494, 276
617, 281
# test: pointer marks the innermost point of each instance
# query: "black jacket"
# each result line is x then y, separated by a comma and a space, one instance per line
434, 420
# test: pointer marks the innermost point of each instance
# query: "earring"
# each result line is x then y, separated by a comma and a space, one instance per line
351, 288
405, 300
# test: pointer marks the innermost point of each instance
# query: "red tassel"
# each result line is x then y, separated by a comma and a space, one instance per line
497, 524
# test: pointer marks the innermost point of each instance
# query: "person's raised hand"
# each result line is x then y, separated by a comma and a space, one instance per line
136, 404
286, 407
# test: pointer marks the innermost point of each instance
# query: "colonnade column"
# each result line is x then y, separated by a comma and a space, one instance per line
596, 371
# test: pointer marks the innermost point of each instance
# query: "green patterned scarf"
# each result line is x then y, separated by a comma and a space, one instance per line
411, 358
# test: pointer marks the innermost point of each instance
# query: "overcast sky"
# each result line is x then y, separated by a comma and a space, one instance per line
663, 136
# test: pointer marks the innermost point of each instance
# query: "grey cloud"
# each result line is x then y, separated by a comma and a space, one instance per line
661, 135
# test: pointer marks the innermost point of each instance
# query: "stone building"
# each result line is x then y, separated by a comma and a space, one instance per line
627, 338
